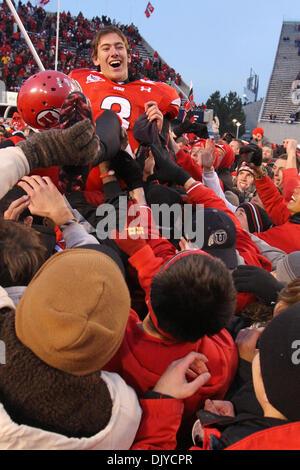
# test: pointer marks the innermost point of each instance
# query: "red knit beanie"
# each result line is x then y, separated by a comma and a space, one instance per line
258, 130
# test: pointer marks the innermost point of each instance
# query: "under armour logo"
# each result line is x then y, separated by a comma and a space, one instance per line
144, 88
2, 352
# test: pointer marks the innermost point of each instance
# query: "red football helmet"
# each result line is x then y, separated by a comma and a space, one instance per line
41, 97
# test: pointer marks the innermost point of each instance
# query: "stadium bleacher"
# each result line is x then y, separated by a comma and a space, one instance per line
286, 67
17, 64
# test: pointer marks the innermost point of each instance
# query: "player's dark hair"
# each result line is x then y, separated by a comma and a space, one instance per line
22, 253
194, 297
103, 32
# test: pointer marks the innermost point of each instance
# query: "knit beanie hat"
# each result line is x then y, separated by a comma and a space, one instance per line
288, 268
46, 398
258, 130
228, 156
74, 312
258, 218
244, 167
279, 352
232, 198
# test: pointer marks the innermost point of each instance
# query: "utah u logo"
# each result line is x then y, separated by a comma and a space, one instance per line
217, 238
48, 118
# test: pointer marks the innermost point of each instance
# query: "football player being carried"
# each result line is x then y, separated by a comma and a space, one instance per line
110, 87
107, 89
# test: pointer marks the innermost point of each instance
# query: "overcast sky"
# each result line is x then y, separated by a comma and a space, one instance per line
213, 44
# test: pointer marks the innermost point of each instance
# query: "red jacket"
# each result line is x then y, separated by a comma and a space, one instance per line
185, 160
290, 180
161, 421
283, 437
285, 235
141, 358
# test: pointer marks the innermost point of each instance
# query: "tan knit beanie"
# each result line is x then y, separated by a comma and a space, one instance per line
74, 312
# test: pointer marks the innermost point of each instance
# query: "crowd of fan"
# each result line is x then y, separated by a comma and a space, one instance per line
121, 328
75, 35
261, 235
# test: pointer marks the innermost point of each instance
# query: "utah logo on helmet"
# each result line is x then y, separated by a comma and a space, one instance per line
41, 97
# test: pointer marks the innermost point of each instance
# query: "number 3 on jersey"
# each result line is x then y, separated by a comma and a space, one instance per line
120, 106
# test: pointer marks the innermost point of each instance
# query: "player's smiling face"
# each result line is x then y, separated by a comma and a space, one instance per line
113, 57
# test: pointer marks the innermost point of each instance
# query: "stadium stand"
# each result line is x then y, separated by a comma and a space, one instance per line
278, 107
76, 33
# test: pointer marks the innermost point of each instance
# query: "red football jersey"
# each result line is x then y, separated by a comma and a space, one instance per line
127, 99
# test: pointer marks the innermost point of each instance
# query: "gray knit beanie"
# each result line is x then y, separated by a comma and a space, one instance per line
288, 268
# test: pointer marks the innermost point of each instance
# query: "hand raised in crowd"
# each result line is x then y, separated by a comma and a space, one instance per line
200, 130
290, 145
175, 380
153, 113
253, 155
219, 407
45, 199
16, 208
208, 155
186, 245
246, 342
257, 281
185, 126
215, 124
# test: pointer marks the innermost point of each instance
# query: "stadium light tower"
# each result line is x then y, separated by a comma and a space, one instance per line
246, 99
237, 124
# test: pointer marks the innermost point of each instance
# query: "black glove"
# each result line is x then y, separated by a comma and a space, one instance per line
257, 281
200, 130
184, 127
141, 156
253, 154
76, 145
127, 169
72, 178
166, 170
227, 137
75, 108
108, 129
145, 131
